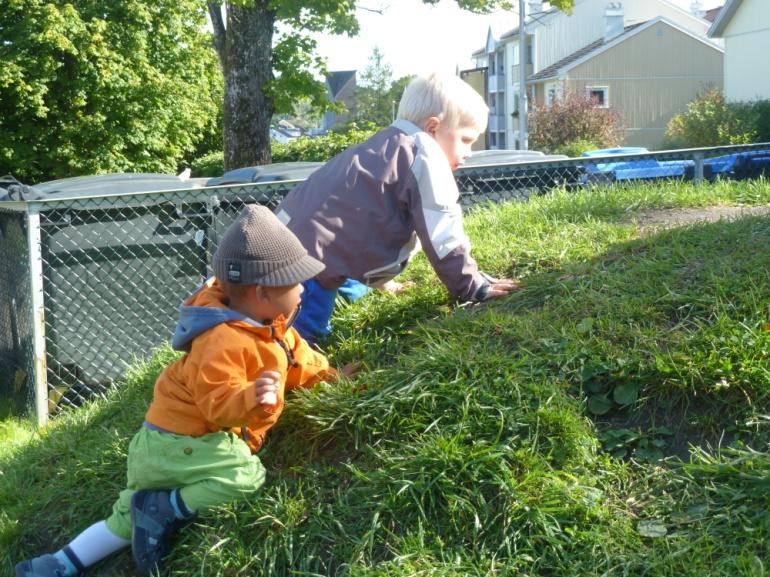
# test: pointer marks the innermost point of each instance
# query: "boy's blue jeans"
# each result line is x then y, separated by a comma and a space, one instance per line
313, 321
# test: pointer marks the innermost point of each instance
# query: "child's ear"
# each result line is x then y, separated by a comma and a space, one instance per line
259, 292
431, 125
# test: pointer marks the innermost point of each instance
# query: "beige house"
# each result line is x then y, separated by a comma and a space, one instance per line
554, 37
648, 72
745, 27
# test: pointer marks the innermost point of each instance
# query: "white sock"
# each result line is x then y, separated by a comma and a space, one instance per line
96, 543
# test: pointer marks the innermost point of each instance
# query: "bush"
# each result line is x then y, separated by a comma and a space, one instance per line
322, 148
572, 119
576, 148
211, 164
318, 148
711, 121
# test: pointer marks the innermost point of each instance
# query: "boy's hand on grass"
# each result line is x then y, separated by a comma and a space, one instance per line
502, 287
394, 287
351, 369
267, 388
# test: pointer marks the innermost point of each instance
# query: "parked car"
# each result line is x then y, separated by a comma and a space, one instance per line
741, 165
267, 173
114, 184
515, 173
640, 168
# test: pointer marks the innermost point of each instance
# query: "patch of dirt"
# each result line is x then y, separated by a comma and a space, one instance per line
672, 217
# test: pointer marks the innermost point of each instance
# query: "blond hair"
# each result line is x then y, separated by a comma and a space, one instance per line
448, 98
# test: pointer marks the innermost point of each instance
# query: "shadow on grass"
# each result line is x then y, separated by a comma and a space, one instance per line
664, 336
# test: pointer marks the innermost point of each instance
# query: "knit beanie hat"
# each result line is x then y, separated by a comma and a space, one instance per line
258, 249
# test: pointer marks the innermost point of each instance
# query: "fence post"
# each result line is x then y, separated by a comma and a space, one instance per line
34, 245
698, 174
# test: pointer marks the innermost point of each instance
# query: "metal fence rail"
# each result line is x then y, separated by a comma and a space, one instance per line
87, 285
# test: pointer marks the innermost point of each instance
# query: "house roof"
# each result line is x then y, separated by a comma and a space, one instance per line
564, 64
712, 14
725, 15
338, 79
598, 46
537, 17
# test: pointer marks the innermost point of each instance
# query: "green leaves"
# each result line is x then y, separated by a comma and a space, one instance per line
625, 393
85, 88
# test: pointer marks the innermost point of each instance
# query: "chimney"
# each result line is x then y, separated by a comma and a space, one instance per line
613, 21
696, 7
534, 7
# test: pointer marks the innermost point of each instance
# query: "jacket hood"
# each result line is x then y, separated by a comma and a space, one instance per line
207, 308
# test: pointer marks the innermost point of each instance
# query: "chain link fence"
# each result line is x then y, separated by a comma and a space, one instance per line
90, 284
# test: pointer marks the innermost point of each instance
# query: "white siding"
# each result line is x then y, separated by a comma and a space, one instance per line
747, 44
561, 35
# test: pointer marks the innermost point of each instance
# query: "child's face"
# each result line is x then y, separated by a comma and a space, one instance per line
282, 300
455, 141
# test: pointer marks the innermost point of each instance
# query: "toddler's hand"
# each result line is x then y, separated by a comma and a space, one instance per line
351, 369
267, 388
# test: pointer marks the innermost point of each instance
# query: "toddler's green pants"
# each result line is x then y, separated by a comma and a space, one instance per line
210, 470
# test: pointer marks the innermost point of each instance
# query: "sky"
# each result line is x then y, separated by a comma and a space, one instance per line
416, 38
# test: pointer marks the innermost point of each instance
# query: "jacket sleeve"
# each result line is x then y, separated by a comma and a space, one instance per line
438, 221
222, 391
310, 366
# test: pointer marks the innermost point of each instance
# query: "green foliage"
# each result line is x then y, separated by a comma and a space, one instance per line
711, 121
573, 118
576, 148
321, 148
317, 148
91, 87
211, 164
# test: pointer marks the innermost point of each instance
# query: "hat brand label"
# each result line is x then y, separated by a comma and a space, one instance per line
234, 272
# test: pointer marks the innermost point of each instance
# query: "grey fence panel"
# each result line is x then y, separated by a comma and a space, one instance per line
16, 353
115, 271
116, 267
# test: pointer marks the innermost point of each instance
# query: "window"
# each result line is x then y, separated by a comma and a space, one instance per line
551, 97
528, 54
599, 95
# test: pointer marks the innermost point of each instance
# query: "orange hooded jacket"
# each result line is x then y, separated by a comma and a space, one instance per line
212, 387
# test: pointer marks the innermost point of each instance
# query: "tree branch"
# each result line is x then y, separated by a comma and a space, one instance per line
215, 13
379, 11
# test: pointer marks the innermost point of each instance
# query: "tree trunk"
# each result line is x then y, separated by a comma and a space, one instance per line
247, 65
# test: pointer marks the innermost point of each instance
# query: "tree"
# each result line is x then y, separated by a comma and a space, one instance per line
372, 102
89, 87
263, 76
265, 72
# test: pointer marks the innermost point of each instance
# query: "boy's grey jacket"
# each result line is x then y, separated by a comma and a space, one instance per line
367, 210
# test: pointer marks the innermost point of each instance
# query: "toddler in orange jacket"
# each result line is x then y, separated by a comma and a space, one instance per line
211, 408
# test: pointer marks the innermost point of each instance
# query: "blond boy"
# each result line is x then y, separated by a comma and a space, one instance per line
369, 209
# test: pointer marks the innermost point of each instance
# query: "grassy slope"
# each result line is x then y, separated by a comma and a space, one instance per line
520, 437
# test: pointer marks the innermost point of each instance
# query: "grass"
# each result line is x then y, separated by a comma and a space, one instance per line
610, 418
